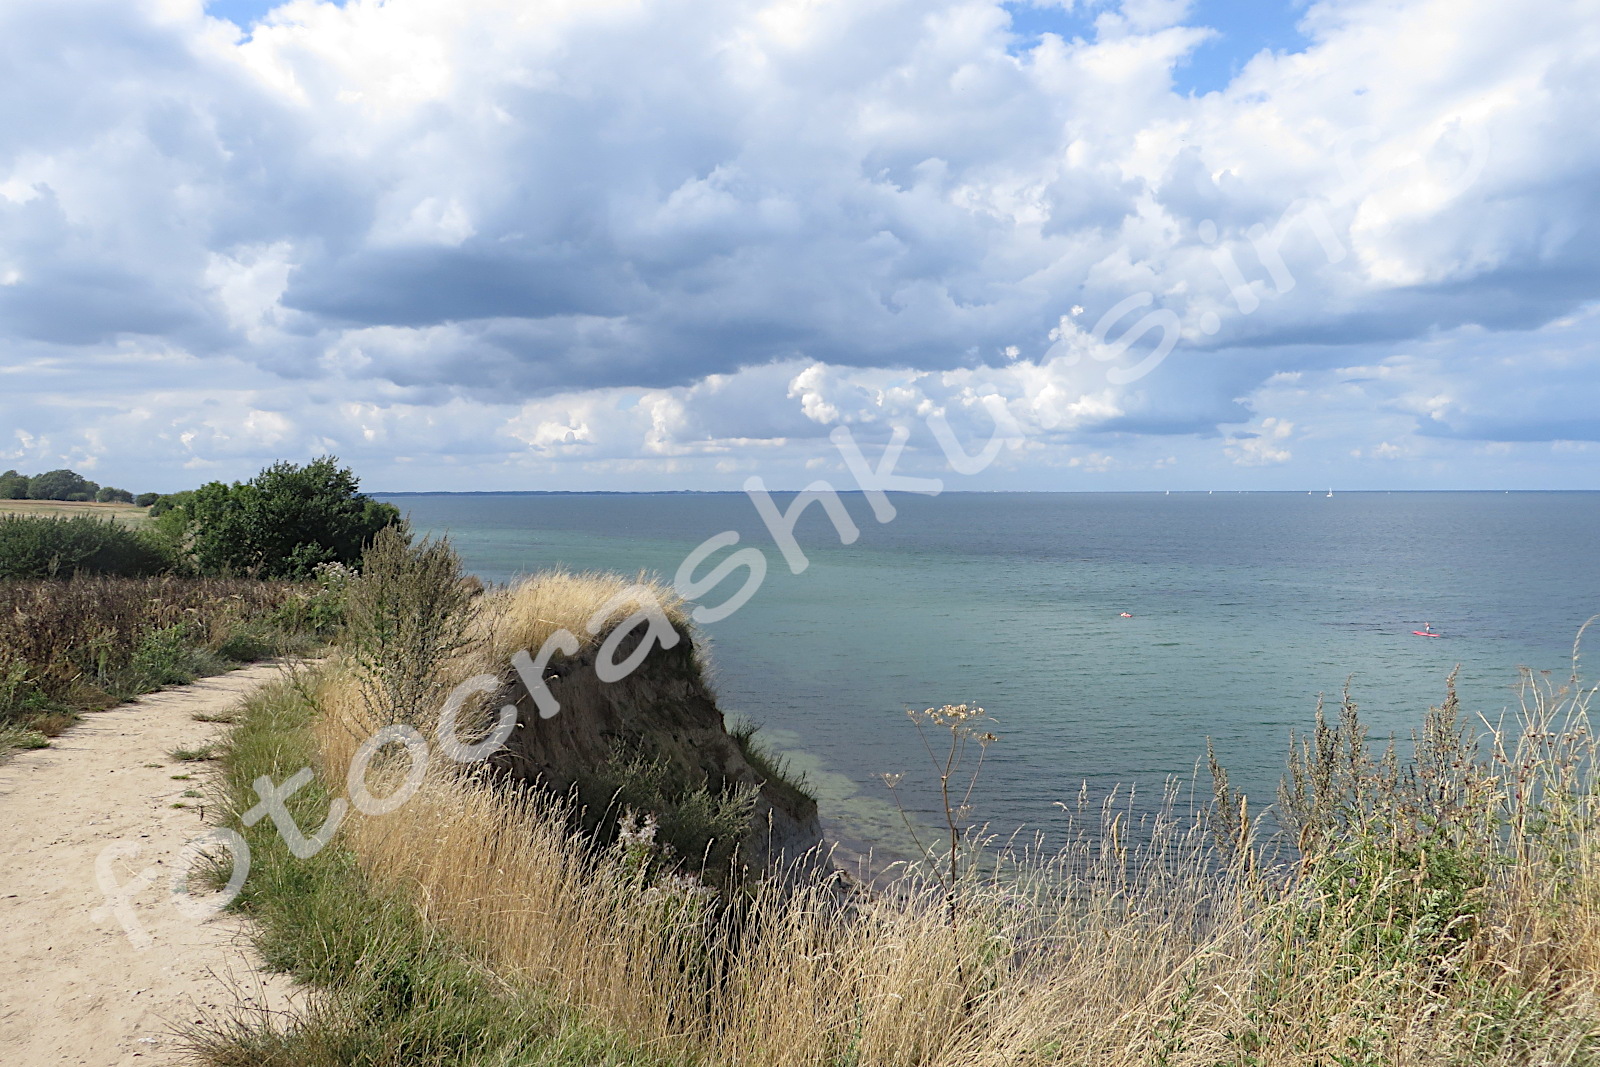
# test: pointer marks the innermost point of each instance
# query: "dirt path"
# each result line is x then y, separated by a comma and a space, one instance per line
75, 988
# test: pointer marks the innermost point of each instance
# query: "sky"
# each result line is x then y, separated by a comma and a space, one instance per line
673, 244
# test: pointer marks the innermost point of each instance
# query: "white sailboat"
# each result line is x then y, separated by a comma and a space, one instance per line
1330, 492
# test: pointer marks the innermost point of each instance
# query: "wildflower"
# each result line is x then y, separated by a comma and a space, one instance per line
679, 888
632, 833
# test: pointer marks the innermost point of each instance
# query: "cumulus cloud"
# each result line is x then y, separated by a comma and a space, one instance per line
538, 241
1258, 447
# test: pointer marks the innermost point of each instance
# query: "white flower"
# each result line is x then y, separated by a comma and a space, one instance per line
632, 833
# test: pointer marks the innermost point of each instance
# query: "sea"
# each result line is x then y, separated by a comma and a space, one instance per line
1242, 609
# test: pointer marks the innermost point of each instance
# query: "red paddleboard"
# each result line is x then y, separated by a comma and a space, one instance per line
1425, 633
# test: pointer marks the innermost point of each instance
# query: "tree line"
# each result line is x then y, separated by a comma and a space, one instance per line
67, 485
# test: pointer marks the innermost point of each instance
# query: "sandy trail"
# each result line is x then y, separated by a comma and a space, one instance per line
74, 989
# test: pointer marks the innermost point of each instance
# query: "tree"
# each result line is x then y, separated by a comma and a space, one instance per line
166, 502
285, 521
13, 486
108, 495
61, 485
145, 500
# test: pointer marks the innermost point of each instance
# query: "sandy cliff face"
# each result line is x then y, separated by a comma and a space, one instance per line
664, 711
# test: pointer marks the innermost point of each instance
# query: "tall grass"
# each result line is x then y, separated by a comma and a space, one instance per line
525, 616
1435, 904
386, 988
87, 643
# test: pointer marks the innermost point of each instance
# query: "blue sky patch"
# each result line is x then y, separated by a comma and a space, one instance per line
1244, 28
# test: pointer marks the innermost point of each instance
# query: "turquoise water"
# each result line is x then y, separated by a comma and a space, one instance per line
1245, 607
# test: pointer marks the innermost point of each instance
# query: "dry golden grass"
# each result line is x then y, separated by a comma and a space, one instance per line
123, 513
1154, 942
524, 616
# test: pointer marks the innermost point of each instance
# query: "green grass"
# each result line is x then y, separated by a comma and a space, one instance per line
17, 737
388, 990
772, 767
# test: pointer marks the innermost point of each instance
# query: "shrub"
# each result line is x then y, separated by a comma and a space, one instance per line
250, 643
145, 500
108, 495
285, 522
700, 829
48, 547
165, 502
408, 613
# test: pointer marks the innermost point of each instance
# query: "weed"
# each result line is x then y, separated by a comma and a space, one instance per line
963, 723
408, 612
21, 738
88, 643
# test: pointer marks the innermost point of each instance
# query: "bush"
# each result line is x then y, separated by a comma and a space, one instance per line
108, 495
249, 644
41, 547
168, 502
408, 612
145, 500
699, 830
285, 522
